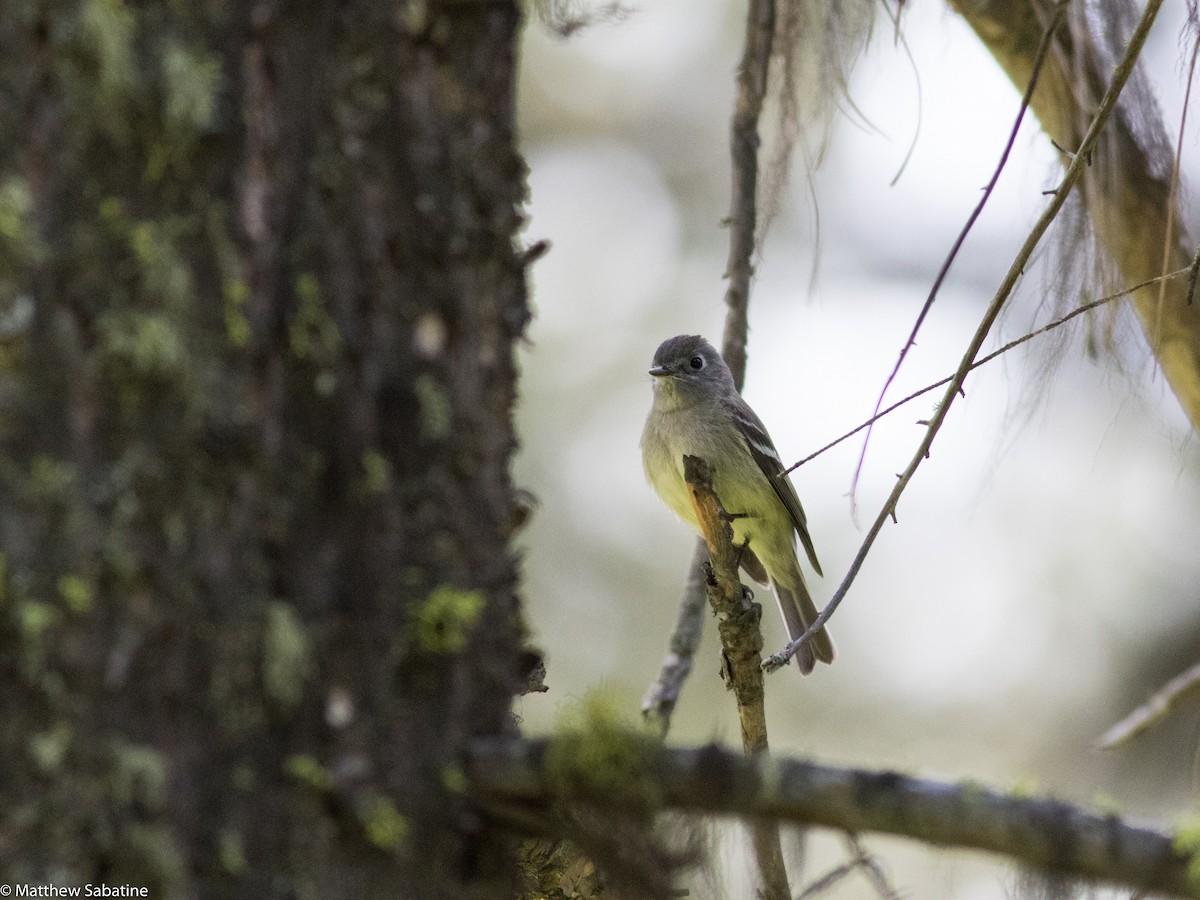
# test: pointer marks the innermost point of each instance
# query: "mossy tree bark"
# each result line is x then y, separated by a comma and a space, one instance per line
259, 290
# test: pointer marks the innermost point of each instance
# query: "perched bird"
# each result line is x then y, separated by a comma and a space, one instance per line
697, 411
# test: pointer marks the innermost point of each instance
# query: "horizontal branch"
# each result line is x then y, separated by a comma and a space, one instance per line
1039, 833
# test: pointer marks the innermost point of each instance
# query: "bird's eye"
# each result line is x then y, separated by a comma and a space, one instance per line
696, 362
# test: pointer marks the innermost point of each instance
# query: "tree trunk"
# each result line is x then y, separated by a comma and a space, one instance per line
259, 290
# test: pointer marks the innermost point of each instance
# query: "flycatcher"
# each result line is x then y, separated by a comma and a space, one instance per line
697, 411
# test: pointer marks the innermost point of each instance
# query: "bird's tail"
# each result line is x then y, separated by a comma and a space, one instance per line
798, 610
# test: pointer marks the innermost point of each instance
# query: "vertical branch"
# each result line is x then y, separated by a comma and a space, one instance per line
659, 701
741, 638
741, 651
744, 142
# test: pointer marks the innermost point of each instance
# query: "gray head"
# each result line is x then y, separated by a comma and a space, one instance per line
686, 366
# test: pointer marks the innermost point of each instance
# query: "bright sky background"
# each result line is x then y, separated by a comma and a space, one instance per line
1045, 572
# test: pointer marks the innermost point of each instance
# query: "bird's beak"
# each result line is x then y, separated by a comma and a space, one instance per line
659, 371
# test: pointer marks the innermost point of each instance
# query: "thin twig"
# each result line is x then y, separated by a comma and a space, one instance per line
743, 211
1036, 832
870, 865
1120, 75
1153, 710
829, 880
660, 698
861, 860
1047, 36
1049, 326
902, 41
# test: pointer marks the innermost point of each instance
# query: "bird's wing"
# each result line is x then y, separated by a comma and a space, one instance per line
763, 450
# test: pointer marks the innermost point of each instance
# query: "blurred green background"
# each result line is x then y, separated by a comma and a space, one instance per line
1044, 576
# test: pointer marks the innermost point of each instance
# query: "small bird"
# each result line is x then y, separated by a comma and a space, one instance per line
697, 411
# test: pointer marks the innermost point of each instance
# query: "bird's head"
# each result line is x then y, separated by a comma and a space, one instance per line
686, 367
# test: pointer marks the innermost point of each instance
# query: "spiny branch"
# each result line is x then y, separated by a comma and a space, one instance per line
1074, 171
1043, 48
1127, 194
1049, 326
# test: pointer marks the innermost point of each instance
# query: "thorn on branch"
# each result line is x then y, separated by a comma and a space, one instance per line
1087, 159
534, 252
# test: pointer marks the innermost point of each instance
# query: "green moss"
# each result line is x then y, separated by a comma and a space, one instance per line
16, 207
383, 825
377, 473
435, 412
19, 248
1023, 789
191, 83
1187, 843
454, 779
325, 383
35, 619
243, 777
139, 777
973, 792
445, 618
147, 856
165, 276
308, 771
51, 478
312, 333
596, 752
48, 749
141, 344
107, 35
77, 593
231, 851
286, 656
415, 17
112, 211
237, 327
1106, 805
